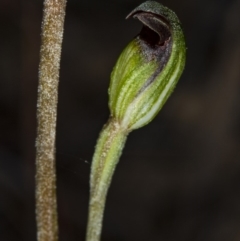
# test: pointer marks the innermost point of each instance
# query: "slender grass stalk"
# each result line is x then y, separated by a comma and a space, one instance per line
50, 54
142, 80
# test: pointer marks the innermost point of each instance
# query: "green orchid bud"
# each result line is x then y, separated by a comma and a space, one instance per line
148, 68
142, 80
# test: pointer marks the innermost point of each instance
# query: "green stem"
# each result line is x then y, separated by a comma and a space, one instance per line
107, 153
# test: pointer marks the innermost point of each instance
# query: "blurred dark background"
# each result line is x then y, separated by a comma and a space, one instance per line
178, 178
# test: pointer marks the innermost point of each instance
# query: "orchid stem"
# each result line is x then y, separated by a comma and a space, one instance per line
107, 153
50, 54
